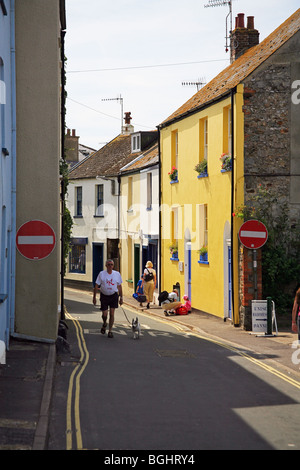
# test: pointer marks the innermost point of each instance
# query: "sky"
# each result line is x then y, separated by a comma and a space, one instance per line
134, 56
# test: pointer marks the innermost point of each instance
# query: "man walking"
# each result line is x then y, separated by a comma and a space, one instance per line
110, 284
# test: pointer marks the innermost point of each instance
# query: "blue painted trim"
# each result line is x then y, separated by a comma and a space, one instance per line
202, 175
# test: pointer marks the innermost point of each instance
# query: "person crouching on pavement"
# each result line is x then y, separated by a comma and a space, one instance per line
110, 284
171, 303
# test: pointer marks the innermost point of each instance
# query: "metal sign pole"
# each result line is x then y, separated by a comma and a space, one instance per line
255, 273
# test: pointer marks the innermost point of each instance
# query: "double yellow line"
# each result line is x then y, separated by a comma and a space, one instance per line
75, 394
225, 345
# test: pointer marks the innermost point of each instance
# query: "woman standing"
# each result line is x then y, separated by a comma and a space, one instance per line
149, 282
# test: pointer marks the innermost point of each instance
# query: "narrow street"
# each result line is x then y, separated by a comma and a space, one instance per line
168, 390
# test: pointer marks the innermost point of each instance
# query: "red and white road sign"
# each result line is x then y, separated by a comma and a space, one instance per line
253, 234
35, 240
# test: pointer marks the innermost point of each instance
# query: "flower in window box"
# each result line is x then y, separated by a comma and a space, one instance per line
201, 167
174, 250
203, 253
173, 174
226, 162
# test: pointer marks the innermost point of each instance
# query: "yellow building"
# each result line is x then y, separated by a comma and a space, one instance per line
218, 131
196, 206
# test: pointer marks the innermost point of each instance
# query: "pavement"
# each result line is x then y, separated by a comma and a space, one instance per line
26, 380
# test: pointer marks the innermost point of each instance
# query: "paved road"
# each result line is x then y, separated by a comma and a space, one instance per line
171, 389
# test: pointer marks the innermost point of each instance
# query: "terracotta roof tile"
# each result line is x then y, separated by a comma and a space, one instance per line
239, 69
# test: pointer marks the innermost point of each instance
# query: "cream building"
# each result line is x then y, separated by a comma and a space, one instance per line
39, 26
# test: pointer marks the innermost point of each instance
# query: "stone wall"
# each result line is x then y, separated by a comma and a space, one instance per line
268, 151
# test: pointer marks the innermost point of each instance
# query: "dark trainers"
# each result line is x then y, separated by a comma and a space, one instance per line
110, 335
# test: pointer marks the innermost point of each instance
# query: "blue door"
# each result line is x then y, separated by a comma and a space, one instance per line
97, 260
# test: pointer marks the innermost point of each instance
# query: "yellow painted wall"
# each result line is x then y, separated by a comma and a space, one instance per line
207, 280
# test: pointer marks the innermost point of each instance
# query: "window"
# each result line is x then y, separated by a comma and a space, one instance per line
129, 258
174, 225
129, 198
99, 201
203, 230
203, 134
77, 259
149, 191
136, 142
174, 151
78, 197
227, 130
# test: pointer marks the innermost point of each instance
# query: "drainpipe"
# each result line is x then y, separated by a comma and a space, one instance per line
233, 91
62, 35
119, 217
159, 210
12, 294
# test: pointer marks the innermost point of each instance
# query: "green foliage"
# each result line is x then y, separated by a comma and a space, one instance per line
201, 167
203, 250
67, 218
281, 253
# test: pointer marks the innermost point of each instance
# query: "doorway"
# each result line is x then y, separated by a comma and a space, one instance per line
97, 260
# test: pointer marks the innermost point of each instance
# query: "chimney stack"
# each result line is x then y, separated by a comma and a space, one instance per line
243, 38
71, 146
127, 128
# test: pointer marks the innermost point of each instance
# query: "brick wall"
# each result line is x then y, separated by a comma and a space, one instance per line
247, 290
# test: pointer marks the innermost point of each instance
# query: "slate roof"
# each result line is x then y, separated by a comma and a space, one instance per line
107, 161
241, 68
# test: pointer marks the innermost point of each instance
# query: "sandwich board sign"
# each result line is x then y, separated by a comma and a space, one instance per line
35, 240
260, 316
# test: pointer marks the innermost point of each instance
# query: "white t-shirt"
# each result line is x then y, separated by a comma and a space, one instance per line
172, 297
109, 282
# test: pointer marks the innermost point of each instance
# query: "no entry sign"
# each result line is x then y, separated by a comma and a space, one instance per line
253, 234
35, 240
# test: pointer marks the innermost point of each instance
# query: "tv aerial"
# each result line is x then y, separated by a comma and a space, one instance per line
219, 3
198, 83
119, 98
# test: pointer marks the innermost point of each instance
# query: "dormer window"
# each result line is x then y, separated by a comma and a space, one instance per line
136, 142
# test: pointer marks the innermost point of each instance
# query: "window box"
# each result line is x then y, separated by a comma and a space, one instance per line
203, 255
201, 169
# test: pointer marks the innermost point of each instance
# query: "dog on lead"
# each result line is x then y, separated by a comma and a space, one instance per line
136, 328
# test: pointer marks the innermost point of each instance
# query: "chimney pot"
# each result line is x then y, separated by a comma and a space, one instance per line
250, 22
240, 20
73, 132
128, 117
